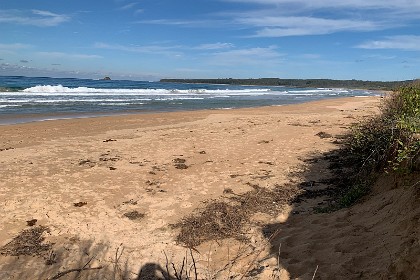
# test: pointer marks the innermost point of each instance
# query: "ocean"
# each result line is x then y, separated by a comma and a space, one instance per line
25, 99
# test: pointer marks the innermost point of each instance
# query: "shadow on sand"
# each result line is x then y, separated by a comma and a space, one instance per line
377, 237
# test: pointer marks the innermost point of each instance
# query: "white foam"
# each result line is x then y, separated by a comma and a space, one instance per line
120, 104
318, 91
85, 91
81, 97
9, 105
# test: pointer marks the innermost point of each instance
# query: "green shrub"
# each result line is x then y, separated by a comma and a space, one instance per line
353, 194
390, 140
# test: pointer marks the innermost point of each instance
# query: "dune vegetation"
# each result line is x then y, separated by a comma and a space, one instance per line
385, 143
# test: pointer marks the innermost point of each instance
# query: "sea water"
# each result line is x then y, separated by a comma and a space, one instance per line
53, 98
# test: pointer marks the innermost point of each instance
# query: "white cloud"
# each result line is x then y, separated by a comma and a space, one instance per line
165, 22
310, 56
68, 55
293, 26
268, 25
328, 4
401, 42
215, 46
13, 49
128, 6
380, 57
248, 56
200, 23
8, 69
35, 17
213, 53
279, 18
150, 49
14, 46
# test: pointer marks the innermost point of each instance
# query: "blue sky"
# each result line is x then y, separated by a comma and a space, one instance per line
153, 39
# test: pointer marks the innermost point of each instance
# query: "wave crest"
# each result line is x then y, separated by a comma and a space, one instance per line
60, 89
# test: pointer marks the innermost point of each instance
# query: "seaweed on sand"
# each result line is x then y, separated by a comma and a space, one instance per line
29, 242
221, 219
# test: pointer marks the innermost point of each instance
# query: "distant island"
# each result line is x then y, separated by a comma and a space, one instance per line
107, 78
301, 83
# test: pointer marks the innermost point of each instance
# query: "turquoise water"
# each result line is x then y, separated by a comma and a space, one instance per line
40, 97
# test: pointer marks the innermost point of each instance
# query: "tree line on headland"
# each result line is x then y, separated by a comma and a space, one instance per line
301, 83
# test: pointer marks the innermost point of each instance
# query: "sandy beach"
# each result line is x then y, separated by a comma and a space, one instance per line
108, 194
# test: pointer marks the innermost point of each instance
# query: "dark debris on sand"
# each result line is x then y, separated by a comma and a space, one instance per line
220, 219
80, 204
29, 242
323, 135
134, 215
179, 163
31, 222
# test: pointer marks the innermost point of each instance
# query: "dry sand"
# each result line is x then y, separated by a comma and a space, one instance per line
106, 191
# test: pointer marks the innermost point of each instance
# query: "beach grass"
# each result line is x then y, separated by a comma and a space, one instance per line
388, 142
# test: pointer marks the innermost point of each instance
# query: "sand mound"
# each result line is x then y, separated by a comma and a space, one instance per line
376, 239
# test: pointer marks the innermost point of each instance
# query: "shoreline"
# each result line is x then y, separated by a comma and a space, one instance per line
12, 119
89, 126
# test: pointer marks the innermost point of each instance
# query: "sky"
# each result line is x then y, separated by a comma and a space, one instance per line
154, 39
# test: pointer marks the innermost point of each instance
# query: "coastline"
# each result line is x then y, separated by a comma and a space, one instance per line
116, 165
67, 125
54, 98
11, 119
